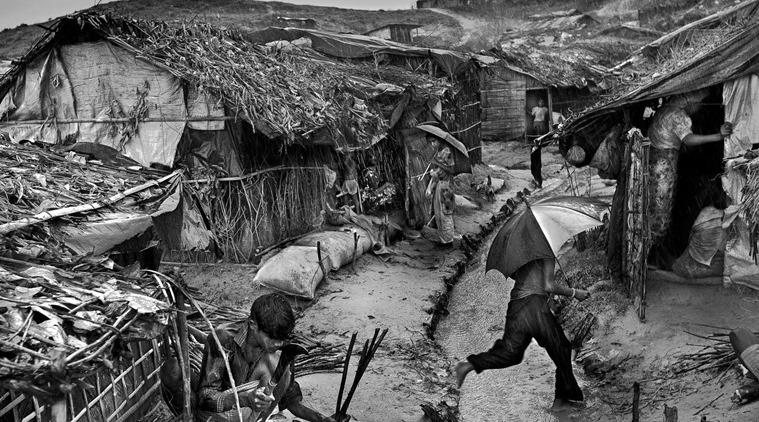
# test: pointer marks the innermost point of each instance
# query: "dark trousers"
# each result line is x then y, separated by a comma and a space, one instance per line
529, 318
536, 165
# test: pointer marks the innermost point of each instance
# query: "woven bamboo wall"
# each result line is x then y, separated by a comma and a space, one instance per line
120, 396
502, 100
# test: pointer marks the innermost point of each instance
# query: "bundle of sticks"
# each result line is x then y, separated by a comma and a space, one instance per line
367, 353
719, 355
322, 356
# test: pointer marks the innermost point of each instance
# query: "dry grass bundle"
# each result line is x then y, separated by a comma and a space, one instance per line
60, 325
264, 208
751, 202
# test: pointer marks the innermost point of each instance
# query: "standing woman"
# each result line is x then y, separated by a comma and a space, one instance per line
670, 128
441, 192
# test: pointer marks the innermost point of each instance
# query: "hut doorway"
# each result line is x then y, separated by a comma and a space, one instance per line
533, 99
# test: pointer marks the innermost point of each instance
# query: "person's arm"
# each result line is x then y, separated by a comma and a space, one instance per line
293, 401
550, 285
211, 397
431, 185
302, 411
692, 139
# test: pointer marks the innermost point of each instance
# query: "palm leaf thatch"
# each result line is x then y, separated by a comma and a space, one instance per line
284, 95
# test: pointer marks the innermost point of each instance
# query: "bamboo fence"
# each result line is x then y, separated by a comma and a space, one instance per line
635, 226
104, 396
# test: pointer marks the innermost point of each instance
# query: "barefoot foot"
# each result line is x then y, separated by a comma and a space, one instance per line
461, 370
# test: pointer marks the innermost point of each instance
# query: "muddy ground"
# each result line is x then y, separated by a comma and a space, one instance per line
412, 292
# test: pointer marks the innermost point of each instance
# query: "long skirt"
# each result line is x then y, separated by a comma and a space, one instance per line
663, 182
443, 216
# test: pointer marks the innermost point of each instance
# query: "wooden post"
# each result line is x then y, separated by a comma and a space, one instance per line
184, 349
324, 268
636, 402
355, 250
670, 413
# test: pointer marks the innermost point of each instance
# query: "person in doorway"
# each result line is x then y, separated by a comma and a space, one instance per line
441, 191
540, 118
529, 317
350, 185
251, 349
670, 128
536, 164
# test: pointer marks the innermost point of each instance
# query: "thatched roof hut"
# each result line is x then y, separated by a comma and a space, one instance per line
283, 96
568, 75
254, 124
719, 53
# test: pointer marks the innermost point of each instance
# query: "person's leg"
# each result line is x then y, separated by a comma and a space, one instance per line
507, 351
551, 337
536, 166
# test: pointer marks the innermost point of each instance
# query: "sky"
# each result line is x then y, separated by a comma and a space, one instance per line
16, 12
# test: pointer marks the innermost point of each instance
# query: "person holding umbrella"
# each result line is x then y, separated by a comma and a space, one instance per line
524, 249
440, 189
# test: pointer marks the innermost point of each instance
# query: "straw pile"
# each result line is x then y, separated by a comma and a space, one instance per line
751, 202
36, 180
58, 326
283, 95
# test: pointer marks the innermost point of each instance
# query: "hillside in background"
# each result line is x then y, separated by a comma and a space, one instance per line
250, 15
481, 25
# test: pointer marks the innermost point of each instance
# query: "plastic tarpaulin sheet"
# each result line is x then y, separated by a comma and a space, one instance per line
741, 98
100, 81
352, 46
44, 92
201, 103
740, 267
99, 236
117, 84
206, 148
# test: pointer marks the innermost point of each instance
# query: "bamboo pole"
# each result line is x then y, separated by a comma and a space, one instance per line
49, 215
184, 350
224, 356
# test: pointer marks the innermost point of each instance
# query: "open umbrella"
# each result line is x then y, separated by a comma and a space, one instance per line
541, 229
460, 153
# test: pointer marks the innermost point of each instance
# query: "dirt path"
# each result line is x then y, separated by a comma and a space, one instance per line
400, 293
405, 292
